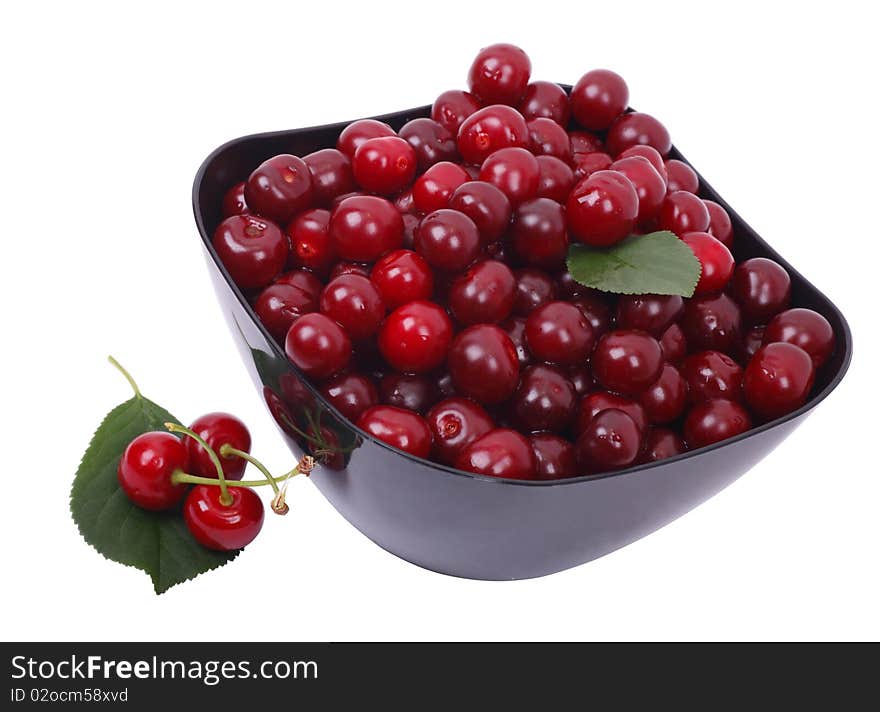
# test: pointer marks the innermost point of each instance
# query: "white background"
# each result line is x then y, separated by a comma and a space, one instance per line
108, 112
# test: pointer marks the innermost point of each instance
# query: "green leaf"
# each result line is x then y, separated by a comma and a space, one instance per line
657, 263
155, 542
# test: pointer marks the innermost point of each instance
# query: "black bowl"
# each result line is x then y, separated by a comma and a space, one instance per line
455, 522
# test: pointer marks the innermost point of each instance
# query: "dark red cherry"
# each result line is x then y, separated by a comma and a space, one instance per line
448, 240
716, 262
343, 268
415, 337
452, 107
652, 155
431, 141
411, 391
681, 176
223, 526
402, 276
486, 205
762, 288
714, 420
661, 443
434, 188
545, 100
778, 379
611, 441
483, 364
404, 203
399, 428
559, 333
279, 188
310, 243
489, 129
358, 132
538, 233
653, 313
569, 288
602, 209
627, 361
234, 202
720, 226
673, 344
282, 303
515, 171
544, 400
218, 429
712, 374
365, 227
583, 142
499, 453
253, 250
515, 327
499, 74
318, 346
637, 129
384, 165
683, 212
598, 98
805, 328
145, 469
665, 399
483, 294
555, 457
547, 138
455, 423
596, 311
751, 341
555, 179
351, 394
594, 403
331, 174
712, 322
648, 183
355, 304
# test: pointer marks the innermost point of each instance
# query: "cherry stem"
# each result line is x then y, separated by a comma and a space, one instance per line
181, 477
225, 497
127, 375
226, 450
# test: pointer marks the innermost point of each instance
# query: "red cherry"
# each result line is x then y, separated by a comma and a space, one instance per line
762, 288
483, 364
716, 262
720, 226
665, 399
547, 138
586, 164
637, 129
145, 470
611, 441
354, 303
410, 391
402, 276
364, 227
602, 209
545, 100
683, 212
653, 313
627, 361
358, 132
712, 322
555, 179
343, 268
805, 328
515, 171
673, 344
431, 141
287, 299
218, 429
253, 250
452, 107
584, 142
714, 420
415, 337
234, 202
310, 243
331, 174
594, 403
778, 379
515, 328
559, 333
681, 176
499, 453
555, 457
661, 443
751, 341
399, 428
539, 236
384, 165
448, 240
596, 311
648, 183
533, 288
712, 374
317, 345
489, 129
598, 98
435, 186
219, 526
500, 74
544, 400
279, 188
652, 155
483, 294
455, 423
486, 205
351, 394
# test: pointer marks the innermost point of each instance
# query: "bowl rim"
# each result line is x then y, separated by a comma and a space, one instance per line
844, 340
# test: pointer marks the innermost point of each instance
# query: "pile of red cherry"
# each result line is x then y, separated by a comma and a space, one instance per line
419, 278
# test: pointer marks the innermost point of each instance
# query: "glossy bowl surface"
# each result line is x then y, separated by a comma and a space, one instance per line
455, 522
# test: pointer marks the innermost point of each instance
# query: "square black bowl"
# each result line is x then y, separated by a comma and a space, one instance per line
455, 522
